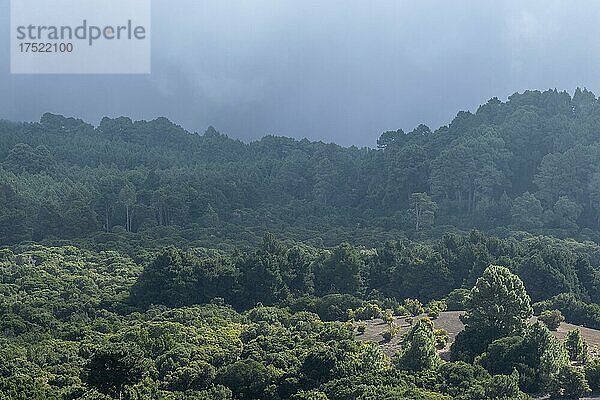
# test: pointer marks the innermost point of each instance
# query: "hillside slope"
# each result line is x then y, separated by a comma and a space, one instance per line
531, 163
450, 321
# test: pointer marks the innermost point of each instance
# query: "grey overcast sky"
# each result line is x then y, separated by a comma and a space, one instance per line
338, 71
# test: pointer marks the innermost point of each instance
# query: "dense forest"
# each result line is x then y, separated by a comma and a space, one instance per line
529, 164
141, 261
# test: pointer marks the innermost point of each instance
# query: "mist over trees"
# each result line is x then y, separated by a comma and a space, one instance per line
530, 163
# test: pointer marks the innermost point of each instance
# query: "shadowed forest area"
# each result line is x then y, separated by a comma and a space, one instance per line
529, 164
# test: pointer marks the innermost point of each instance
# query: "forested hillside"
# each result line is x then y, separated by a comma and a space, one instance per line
140, 261
530, 163
78, 324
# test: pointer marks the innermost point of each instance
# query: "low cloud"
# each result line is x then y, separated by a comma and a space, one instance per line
341, 71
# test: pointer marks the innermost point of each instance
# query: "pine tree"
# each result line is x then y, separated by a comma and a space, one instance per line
418, 347
576, 346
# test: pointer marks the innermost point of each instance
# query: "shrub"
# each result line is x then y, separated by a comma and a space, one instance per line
367, 311
504, 387
457, 299
311, 395
388, 316
198, 375
391, 331
413, 306
467, 345
569, 384
271, 315
435, 307
441, 338
393, 305
552, 319
245, 378
332, 307
592, 374
361, 328
502, 355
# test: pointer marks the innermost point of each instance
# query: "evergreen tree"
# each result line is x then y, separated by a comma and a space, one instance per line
576, 346
419, 347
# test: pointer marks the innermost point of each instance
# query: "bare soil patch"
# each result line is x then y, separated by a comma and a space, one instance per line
450, 321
